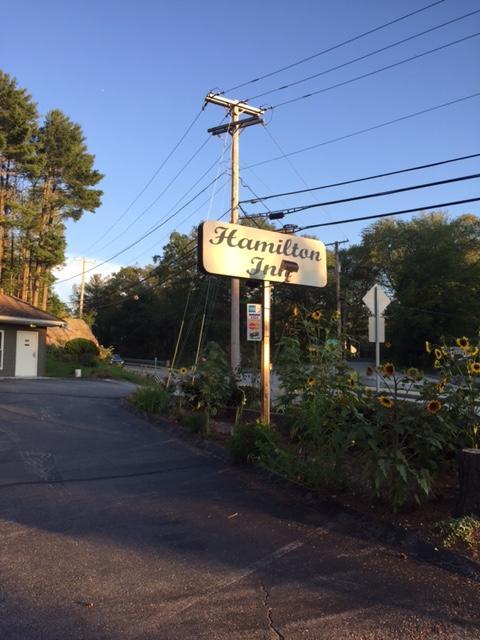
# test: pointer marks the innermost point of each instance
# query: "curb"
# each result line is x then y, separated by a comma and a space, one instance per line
341, 519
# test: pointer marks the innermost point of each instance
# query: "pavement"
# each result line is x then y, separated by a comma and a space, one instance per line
111, 529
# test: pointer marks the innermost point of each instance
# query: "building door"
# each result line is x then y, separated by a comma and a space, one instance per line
27, 353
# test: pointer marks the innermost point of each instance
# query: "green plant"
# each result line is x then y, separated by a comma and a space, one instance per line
400, 444
195, 422
212, 381
153, 399
249, 441
458, 389
466, 530
84, 351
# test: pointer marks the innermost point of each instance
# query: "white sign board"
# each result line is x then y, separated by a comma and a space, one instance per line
243, 252
254, 322
382, 299
381, 329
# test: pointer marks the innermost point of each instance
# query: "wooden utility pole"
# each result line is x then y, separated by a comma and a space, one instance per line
338, 270
82, 290
235, 108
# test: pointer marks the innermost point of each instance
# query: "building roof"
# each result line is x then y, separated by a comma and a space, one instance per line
15, 311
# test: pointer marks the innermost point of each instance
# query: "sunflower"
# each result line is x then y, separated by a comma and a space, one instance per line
437, 364
438, 353
369, 371
434, 406
440, 386
428, 346
352, 380
316, 315
183, 371
388, 369
311, 382
474, 351
295, 311
474, 368
414, 373
463, 342
385, 402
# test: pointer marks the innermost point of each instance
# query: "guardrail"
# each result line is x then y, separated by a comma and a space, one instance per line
155, 362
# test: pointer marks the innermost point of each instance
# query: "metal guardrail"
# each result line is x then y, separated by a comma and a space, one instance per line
155, 362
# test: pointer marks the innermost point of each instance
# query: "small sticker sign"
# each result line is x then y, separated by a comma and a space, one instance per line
254, 322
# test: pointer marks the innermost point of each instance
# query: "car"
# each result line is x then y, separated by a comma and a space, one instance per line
117, 360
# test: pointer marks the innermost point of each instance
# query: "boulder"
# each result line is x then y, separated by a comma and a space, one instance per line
76, 328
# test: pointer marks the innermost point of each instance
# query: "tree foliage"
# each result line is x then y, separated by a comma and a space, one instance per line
46, 177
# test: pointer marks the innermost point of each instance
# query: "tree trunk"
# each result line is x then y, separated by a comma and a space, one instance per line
44, 296
469, 481
25, 273
36, 285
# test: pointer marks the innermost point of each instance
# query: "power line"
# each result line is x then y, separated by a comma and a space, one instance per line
149, 181
366, 130
154, 202
275, 215
365, 56
392, 213
148, 233
375, 71
334, 47
355, 180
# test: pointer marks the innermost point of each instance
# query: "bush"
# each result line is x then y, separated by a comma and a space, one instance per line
249, 441
195, 422
454, 530
153, 399
83, 351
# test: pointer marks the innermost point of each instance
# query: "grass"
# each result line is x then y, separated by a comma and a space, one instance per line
57, 368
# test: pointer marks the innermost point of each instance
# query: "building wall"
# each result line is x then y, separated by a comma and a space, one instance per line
10, 348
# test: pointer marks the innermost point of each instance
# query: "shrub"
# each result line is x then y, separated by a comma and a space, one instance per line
249, 441
153, 399
212, 381
84, 351
466, 530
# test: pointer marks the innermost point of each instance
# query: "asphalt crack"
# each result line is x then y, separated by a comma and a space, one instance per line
268, 610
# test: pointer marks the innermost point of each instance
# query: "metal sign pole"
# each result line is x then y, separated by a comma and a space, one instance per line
265, 412
377, 337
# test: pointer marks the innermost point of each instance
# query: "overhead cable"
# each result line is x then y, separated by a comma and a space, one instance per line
363, 57
334, 47
355, 180
375, 71
366, 130
149, 181
392, 213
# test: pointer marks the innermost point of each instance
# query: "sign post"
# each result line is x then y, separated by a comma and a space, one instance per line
377, 301
237, 251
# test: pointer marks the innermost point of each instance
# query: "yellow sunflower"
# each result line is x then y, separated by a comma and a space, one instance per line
462, 342
183, 371
474, 368
316, 315
311, 382
437, 364
385, 402
440, 386
474, 351
438, 353
388, 369
434, 406
295, 311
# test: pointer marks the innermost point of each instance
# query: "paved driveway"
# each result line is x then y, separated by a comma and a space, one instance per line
110, 529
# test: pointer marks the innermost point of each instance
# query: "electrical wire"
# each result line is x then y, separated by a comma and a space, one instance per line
363, 179
375, 71
363, 57
145, 235
392, 213
366, 130
367, 196
149, 181
332, 48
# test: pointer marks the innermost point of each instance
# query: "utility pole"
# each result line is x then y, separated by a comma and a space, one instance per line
338, 270
82, 286
235, 108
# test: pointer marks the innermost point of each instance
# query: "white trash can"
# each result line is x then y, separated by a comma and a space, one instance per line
78, 373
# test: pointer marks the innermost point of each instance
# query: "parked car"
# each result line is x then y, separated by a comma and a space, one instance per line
117, 360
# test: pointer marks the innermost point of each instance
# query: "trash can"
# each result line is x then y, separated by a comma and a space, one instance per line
78, 373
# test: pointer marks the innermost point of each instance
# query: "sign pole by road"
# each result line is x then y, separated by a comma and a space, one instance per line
265, 413
377, 301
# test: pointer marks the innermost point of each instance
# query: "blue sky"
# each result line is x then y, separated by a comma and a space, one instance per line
134, 76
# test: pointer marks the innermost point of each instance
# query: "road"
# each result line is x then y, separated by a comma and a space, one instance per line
111, 529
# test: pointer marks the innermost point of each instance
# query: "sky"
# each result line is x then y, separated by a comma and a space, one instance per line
135, 75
